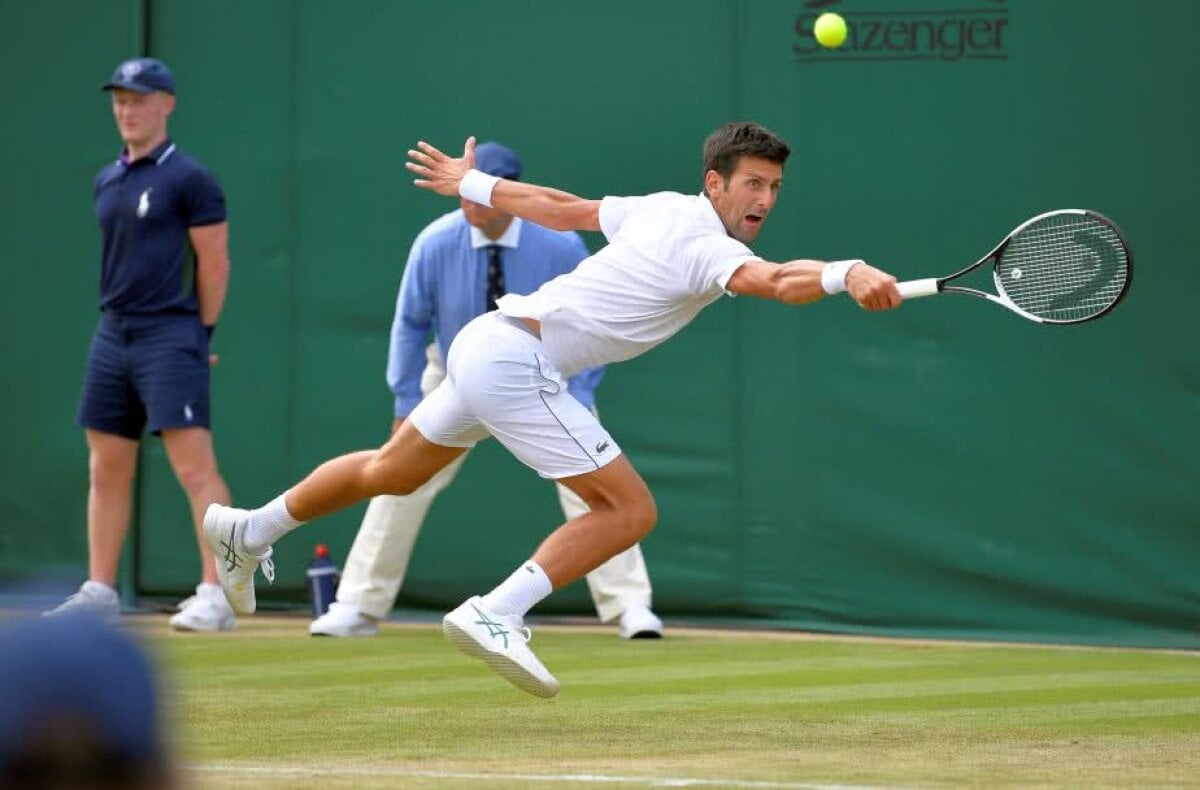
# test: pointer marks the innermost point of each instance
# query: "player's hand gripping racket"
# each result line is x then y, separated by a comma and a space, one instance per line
1062, 267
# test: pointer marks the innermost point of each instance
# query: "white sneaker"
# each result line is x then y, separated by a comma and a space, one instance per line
638, 622
95, 599
501, 641
225, 531
344, 619
207, 610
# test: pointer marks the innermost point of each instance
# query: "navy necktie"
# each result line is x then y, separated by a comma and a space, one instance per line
495, 276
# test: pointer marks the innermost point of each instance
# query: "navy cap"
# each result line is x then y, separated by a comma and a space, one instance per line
142, 75
496, 160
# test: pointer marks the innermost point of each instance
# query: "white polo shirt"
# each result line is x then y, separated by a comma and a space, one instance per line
668, 256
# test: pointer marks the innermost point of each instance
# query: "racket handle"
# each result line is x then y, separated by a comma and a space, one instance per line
911, 289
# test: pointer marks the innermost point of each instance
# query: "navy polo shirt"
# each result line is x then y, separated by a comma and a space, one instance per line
144, 209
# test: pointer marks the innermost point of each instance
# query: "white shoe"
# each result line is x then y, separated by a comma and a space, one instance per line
207, 610
95, 599
344, 619
225, 531
501, 641
638, 622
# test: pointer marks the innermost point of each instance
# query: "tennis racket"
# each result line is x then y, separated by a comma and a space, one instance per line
1061, 267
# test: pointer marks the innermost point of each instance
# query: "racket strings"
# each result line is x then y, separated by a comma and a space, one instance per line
1064, 268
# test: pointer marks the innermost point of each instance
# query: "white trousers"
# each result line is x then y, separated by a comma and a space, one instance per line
378, 560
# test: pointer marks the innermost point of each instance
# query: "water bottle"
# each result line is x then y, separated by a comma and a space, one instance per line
322, 580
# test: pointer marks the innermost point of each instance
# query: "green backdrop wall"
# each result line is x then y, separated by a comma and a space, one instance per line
945, 469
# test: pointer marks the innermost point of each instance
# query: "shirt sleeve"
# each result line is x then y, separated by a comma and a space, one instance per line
411, 326
710, 260
613, 211
203, 200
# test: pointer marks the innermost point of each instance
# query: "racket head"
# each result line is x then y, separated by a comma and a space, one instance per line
1064, 267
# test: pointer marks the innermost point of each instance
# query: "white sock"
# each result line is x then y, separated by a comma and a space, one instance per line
520, 592
268, 524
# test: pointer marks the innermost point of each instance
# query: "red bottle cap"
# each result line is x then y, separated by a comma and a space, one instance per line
322, 550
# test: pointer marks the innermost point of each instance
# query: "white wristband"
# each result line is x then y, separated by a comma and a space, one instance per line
833, 276
476, 186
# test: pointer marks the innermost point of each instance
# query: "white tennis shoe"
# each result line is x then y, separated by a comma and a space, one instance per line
225, 531
638, 622
94, 599
502, 642
207, 610
344, 619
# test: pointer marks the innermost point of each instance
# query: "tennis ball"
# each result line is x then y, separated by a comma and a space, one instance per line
830, 30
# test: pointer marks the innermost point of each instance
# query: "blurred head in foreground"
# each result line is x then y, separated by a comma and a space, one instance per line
79, 708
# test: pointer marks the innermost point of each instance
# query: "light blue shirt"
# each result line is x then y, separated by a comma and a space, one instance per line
445, 286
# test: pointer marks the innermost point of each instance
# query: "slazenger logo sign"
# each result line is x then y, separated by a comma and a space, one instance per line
977, 31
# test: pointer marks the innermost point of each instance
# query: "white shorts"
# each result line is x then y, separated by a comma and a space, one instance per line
499, 382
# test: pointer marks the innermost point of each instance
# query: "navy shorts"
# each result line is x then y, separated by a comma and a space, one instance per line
146, 370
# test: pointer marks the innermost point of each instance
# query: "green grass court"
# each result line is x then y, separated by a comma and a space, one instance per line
271, 707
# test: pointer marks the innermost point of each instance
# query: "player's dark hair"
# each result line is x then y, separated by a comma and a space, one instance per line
731, 142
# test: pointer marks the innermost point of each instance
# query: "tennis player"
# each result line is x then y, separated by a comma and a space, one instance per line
668, 256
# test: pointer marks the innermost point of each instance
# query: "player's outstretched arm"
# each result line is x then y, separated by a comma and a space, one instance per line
804, 281
552, 208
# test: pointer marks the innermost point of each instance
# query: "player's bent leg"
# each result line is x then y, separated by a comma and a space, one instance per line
508, 384
619, 586
621, 513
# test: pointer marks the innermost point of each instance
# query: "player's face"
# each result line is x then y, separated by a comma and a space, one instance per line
744, 201
141, 117
492, 221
